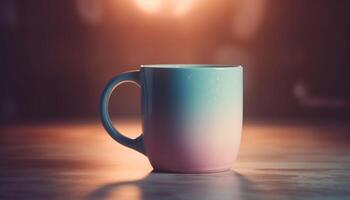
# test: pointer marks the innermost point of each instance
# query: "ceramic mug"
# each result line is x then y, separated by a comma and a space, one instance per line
191, 115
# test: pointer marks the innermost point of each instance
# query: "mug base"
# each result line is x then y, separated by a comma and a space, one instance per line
192, 171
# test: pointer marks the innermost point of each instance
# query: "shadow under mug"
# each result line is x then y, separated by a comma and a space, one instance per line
191, 114
224, 186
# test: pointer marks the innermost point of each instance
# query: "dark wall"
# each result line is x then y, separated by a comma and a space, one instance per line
56, 56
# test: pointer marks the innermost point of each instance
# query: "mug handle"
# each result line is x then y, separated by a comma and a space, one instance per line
137, 143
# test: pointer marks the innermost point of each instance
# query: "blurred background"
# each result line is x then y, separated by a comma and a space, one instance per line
56, 56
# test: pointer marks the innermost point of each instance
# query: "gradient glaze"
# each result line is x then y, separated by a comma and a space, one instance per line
192, 116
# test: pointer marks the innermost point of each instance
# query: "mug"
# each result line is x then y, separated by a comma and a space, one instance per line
191, 115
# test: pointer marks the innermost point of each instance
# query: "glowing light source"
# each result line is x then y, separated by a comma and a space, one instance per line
172, 7
149, 6
182, 6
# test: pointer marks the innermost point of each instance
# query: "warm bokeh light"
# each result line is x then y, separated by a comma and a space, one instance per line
183, 6
174, 7
149, 6
248, 18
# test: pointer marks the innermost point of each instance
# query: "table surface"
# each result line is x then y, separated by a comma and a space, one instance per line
277, 160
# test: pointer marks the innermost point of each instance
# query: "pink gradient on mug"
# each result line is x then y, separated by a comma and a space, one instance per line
199, 147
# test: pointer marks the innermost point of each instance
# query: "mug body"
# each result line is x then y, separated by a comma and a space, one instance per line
192, 116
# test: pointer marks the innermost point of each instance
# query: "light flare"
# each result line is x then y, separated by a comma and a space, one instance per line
172, 7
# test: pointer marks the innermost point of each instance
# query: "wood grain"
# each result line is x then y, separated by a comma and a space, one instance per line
80, 161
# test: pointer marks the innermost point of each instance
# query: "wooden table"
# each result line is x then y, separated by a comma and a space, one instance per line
277, 160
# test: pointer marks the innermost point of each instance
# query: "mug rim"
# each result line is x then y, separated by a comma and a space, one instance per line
191, 66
